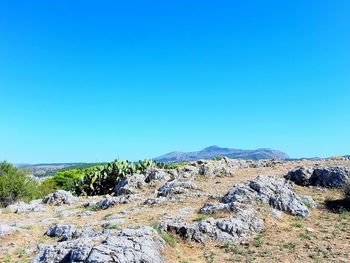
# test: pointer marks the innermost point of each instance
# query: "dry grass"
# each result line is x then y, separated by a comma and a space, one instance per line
286, 240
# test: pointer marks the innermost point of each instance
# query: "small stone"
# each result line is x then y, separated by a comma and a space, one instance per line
309, 229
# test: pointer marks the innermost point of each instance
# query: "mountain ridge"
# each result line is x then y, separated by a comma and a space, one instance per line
217, 151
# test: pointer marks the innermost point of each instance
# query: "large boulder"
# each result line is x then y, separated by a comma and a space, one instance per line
268, 190
76, 250
327, 176
240, 225
60, 197
130, 245
64, 232
300, 176
156, 174
130, 184
141, 245
330, 177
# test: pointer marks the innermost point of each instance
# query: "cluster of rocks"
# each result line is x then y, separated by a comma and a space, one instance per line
56, 198
110, 201
127, 245
242, 220
240, 225
32, 206
268, 190
175, 190
178, 183
327, 176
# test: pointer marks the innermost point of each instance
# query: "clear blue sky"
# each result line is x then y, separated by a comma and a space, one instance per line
97, 80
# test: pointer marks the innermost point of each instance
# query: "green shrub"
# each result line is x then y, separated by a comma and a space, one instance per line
171, 165
15, 185
65, 180
100, 180
46, 187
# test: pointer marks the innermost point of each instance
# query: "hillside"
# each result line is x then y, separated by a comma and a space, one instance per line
216, 151
205, 212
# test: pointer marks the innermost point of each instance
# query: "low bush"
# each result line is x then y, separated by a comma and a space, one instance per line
16, 185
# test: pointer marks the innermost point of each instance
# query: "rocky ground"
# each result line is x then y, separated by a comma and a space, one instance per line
208, 211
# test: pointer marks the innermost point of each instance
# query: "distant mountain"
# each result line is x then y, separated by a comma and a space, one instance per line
216, 151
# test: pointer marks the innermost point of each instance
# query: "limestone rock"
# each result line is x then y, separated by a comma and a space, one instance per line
211, 208
330, 177
156, 174
300, 176
60, 197
268, 190
130, 245
176, 187
140, 245
130, 184
156, 201
114, 200
239, 226
327, 176
308, 201
32, 206
65, 232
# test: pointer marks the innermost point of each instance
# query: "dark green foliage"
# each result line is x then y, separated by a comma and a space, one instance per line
216, 158
80, 166
15, 185
65, 180
102, 179
46, 187
171, 165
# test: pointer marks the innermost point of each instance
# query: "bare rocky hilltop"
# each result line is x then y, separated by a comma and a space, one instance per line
222, 210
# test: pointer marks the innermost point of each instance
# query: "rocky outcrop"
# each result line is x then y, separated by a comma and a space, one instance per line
60, 197
110, 201
130, 245
177, 188
268, 190
211, 208
327, 176
130, 184
32, 206
64, 232
239, 226
212, 168
300, 176
156, 174
140, 245
330, 177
